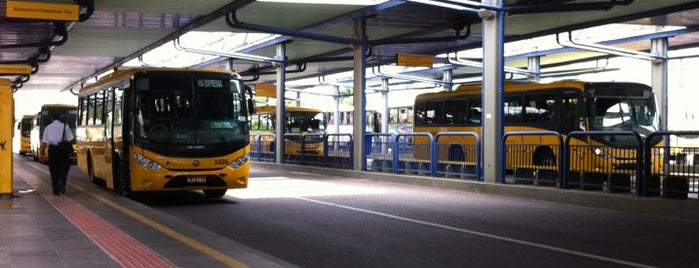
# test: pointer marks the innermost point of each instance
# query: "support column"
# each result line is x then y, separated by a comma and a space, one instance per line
384, 97
7, 132
493, 81
448, 76
280, 125
336, 112
659, 79
534, 67
358, 91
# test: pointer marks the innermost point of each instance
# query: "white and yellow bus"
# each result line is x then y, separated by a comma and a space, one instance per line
307, 126
162, 129
561, 107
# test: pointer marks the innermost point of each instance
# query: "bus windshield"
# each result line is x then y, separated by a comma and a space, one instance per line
624, 109
621, 114
173, 112
305, 123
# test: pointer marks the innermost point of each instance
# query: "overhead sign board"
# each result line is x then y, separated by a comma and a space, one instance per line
414, 60
266, 90
42, 11
15, 69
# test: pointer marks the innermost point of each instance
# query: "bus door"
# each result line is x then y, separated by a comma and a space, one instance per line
109, 136
7, 132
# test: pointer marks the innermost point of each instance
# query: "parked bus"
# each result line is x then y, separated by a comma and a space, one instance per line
344, 121
67, 112
563, 107
25, 126
300, 122
165, 129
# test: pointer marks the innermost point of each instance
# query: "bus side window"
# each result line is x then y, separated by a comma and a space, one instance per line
513, 109
570, 114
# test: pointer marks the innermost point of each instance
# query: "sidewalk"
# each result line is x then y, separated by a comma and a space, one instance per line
93, 227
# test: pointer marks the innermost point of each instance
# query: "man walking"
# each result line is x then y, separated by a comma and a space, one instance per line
59, 162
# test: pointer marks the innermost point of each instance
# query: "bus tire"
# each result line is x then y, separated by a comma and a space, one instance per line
215, 193
543, 156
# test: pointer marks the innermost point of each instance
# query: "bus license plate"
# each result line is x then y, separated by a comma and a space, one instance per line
196, 179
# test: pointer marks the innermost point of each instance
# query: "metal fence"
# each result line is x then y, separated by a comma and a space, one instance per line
635, 166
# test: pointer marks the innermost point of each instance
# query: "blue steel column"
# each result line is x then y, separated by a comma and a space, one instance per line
659, 78
493, 81
359, 94
281, 109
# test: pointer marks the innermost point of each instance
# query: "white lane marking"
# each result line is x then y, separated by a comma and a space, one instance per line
477, 233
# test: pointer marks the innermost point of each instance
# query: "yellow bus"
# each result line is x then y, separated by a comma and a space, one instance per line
166, 129
561, 107
68, 113
25, 126
307, 126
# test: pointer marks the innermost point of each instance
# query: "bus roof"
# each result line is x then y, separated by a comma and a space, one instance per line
125, 73
58, 105
510, 86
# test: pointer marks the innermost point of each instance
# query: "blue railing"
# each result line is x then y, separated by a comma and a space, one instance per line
639, 166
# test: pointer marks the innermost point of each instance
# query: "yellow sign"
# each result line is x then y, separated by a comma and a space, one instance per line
266, 90
42, 11
414, 60
15, 69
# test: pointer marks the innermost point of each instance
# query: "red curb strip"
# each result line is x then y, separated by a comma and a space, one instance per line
121, 247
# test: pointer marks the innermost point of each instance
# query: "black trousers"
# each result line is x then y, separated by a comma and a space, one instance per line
59, 165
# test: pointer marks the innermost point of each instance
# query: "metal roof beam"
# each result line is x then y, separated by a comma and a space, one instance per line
568, 7
233, 22
462, 62
608, 49
234, 55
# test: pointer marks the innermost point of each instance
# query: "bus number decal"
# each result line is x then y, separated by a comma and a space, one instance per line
222, 161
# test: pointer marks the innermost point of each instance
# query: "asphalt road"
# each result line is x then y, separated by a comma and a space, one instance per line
313, 220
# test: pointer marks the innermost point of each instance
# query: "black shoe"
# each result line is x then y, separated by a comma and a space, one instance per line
63, 190
56, 194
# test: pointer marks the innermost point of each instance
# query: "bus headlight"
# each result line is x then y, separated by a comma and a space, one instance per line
147, 163
239, 162
601, 153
